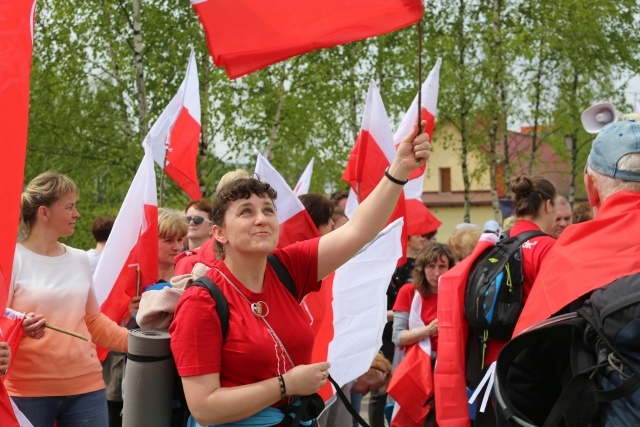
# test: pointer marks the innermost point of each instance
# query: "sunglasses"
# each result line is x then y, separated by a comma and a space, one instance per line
197, 220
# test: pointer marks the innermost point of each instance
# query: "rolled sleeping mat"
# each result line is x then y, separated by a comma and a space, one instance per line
149, 379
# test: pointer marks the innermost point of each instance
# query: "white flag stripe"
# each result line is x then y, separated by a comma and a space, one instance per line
127, 228
358, 327
287, 203
189, 96
302, 187
430, 88
376, 122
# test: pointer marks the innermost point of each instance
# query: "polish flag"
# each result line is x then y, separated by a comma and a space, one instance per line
174, 137
246, 35
411, 385
16, 32
129, 261
295, 222
349, 335
419, 219
372, 153
11, 331
302, 187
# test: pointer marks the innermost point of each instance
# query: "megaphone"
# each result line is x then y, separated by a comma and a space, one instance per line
598, 116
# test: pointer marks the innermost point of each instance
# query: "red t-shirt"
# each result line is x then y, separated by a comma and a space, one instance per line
429, 308
534, 252
249, 353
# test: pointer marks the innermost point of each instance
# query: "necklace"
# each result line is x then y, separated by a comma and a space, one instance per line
258, 309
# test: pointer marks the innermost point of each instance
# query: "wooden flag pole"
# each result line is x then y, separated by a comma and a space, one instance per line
419, 24
65, 331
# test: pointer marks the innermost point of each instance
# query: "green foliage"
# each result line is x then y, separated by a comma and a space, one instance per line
553, 59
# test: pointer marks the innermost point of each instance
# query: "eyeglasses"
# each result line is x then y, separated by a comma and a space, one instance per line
197, 220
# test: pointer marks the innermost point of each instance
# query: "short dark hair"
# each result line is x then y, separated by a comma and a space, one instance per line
530, 192
319, 207
339, 195
431, 253
101, 228
202, 205
242, 188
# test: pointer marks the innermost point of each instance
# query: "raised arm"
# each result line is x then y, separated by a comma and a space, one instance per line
340, 245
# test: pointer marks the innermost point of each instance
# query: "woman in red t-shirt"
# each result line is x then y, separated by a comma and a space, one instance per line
264, 358
432, 262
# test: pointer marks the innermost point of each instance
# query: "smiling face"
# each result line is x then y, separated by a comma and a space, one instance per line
250, 226
61, 216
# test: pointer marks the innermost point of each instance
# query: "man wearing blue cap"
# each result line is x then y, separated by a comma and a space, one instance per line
594, 253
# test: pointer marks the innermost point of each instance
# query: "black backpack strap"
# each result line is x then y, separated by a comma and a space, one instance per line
283, 274
347, 404
222, 307
526, 235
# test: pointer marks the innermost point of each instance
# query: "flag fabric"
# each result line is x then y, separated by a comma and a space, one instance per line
16, 44
411, 385
246, 35
129, 261
450, 387
11, 331
302, 187
601, 241
175, 136
295, 222
419, 218
372, 153
349, 334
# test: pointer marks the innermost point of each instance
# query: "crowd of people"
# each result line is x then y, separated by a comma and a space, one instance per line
258, 367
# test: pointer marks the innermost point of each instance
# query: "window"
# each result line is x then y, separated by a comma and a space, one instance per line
445, 180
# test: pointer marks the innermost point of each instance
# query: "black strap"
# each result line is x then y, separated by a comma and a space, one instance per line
526, 235
222, 307
347, 404
283, 274
144, 359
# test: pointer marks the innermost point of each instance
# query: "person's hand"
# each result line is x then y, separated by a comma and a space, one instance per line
432, 328
33, 325
5, 358
304, 380
414, 150
134, 305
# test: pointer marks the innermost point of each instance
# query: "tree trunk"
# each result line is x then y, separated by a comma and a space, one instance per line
138, 65
463, 118
498, 110
536, 112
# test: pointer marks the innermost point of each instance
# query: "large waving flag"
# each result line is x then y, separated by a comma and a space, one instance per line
247, 35
302, 187
16, 43
349, 335
295, 222
372, 153
174, 137
129, 261
418, 217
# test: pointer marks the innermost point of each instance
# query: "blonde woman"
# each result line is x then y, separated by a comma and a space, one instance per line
57, 377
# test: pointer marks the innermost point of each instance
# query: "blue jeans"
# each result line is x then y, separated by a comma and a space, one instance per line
81, 410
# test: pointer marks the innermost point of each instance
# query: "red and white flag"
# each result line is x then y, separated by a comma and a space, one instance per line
412, 383
129, 261
175, 136
295, 223
16, 44
246, 35
302, 187
349, 335
418, 217
372, 153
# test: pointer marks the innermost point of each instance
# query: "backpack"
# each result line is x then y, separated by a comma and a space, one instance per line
493, 297
577, 369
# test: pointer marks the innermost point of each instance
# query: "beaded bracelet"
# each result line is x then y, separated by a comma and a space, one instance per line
393, 179
283, 387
